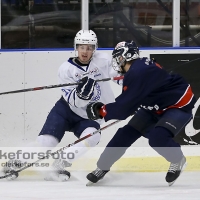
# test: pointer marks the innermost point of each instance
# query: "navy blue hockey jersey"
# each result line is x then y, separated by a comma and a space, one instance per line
149, 86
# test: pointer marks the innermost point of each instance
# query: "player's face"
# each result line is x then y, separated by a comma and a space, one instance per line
85, 52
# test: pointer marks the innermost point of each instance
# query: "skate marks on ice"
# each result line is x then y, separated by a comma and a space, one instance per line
114, 186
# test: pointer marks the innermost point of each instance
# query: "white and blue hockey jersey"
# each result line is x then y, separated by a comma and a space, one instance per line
99, 68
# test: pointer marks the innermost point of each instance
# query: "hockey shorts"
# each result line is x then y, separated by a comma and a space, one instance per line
172, 119
61, 118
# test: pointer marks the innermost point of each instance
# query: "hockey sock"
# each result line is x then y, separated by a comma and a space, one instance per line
39, 147
161, 140
117, 146
76, 151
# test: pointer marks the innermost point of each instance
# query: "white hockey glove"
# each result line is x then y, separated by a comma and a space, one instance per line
85, 88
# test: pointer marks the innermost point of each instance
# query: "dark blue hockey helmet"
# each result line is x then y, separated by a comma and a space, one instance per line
124, 51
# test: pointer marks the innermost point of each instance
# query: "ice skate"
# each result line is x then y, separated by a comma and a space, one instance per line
11, 167
95, 176
175, 170
58, 172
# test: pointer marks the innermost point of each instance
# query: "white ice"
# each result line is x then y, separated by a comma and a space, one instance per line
114, 186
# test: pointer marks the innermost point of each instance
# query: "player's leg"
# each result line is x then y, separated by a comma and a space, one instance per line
69, 155
81, 129
117, 146
161, 139
59, 120
124, 138
114, 150
50, 135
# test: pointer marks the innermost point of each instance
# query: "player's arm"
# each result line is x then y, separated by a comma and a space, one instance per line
80, 95
137, 86
124, 105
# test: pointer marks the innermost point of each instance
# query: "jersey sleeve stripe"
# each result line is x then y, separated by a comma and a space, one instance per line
69, 95
183, 101
74, 97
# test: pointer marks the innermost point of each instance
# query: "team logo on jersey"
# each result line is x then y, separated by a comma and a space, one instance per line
78, 76
155, 107
94, 71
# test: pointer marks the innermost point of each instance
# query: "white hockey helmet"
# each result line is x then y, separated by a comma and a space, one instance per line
86, 37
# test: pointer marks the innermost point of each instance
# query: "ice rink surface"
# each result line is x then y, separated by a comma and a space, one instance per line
114, 186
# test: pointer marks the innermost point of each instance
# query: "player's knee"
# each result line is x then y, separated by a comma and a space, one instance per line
94, 139
47, 141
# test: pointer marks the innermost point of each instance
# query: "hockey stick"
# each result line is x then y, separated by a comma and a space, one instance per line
59, 85
59, 150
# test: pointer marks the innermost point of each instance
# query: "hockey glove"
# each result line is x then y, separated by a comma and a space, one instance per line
96, 110
85, 88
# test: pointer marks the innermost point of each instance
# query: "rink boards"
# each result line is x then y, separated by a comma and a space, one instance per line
22, 115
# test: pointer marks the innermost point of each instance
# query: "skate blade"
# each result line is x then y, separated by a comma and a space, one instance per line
89, 183
184, 166
170, 184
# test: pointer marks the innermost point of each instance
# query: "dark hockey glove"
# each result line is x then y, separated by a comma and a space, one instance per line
96, 110
85, 88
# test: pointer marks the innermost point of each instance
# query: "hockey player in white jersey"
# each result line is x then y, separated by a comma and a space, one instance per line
69, 112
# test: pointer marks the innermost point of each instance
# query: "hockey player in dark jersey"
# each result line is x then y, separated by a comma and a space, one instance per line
162, 105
